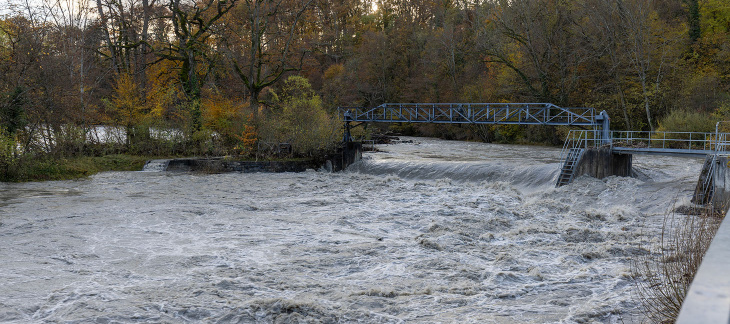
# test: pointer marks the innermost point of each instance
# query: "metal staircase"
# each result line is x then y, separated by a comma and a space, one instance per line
706, 187
567, 171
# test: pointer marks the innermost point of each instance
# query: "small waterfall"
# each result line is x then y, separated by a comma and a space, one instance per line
156, 165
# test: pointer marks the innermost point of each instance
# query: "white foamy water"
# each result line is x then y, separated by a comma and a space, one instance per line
434, 231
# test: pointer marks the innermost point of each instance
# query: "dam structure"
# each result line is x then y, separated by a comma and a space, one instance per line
596, 150
599, 152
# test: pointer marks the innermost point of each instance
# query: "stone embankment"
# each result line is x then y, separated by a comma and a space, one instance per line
348, 154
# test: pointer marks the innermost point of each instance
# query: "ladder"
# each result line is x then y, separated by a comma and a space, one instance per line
706, 188
568, 170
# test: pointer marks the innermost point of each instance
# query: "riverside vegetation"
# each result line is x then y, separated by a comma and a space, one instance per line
215, 77
664, 275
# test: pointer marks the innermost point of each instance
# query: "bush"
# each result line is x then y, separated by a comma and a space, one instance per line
687, 121
299, 118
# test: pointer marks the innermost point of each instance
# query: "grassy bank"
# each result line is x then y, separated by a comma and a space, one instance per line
73, 167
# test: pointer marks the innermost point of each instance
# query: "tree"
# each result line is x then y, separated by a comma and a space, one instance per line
263, 41
12, 112
541, 41
300, 119
192, 23
127, 107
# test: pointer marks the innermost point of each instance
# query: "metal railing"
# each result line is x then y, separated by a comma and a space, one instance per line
692, 141
648, 142
473, 113
580, 139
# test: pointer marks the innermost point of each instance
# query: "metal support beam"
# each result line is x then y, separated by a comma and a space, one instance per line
477, 113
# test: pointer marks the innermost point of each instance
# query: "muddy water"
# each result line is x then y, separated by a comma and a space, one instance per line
431, 231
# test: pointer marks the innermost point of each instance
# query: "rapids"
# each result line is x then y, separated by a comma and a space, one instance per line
428, 232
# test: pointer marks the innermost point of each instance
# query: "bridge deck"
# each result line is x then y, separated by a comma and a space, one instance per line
625, 142
662, 151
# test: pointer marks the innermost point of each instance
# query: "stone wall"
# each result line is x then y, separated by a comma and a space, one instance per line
216, 165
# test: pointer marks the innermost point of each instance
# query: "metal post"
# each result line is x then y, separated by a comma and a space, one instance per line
605, 127
348, 119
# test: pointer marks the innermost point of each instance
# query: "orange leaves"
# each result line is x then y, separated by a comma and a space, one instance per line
246, 140
334, 71
221, 113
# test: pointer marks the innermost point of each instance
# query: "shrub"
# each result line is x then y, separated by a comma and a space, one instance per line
300, 119
687, 121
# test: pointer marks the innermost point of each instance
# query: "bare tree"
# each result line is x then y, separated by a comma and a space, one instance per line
263, 43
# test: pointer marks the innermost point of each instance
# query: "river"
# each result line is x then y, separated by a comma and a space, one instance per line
425, 232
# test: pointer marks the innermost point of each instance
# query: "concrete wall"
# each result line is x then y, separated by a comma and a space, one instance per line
602, 163
214, 165
721, 197
346, 155
349, 153
708, 299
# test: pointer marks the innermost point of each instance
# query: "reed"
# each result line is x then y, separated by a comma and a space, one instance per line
663, 276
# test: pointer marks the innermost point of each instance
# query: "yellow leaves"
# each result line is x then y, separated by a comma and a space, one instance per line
219, 112
126, 101
161, 91
300, 119
334, 71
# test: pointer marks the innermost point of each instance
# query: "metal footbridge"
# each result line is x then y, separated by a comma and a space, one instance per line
474, 113
595, 135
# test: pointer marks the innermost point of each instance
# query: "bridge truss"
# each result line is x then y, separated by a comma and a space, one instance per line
474, 113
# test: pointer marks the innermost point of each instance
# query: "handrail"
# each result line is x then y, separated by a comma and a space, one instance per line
670, 140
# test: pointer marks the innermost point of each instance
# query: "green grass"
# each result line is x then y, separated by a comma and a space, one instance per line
74, 167
49, 169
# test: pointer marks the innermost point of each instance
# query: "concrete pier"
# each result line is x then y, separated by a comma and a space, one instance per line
349, 153
601, 163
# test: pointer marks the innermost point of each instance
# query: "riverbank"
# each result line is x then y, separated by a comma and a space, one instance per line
85, 166
70, 168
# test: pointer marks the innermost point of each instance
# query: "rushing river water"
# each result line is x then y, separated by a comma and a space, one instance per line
431, 231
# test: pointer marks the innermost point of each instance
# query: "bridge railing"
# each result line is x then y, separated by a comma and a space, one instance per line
690, 141
707, 300
581, 139
473, 113
657, 142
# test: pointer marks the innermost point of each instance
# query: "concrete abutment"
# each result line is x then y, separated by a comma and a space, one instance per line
348, 154
601, 163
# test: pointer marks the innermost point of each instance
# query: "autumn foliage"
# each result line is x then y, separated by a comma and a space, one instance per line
210, 77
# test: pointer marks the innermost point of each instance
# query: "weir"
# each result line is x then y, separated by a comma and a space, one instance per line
601, 153
597, 152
